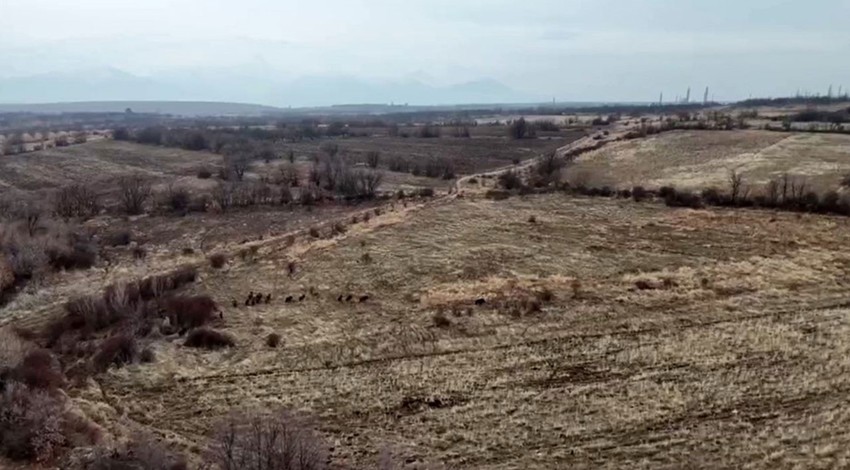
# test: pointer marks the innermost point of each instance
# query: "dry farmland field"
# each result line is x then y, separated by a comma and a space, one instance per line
672, 338
698, 159
533, 332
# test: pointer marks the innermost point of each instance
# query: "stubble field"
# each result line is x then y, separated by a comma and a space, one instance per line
672, 338
699, 159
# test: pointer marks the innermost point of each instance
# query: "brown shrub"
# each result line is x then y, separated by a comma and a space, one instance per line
191, 312
314, 232
147, 356
208, 338
7, 275
283, 439
77, 256
545, 295
273, 340
30, 423
115, 351
140, 253
39, 370
13, 348
338, 228
218, 260
441, 320
142, 452
118, 238
497, 195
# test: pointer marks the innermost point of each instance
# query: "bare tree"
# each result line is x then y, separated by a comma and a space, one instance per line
288, 176
280, 440
772, 192
519, 129
785, 187
76, 200
373, 158
370, 181
135, 190
237, 164
30, 212
222, 195
736, 185
798, 189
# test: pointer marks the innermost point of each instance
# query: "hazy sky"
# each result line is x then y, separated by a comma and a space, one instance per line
569, 49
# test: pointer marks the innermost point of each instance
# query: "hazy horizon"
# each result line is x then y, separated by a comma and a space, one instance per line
430, 52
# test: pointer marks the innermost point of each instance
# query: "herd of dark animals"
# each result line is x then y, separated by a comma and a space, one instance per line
259, 298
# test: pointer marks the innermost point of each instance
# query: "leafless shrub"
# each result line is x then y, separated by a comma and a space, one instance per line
76, 200
520, 129
737, 189
639, 193
373, 158
38, 369
115, 351
147, 356
236, 164
222, 195
440, 320
13, 348
510, 180
218, 260
209, 339
314, 232
772, 192
273, 340
140, 253
141, 452
135, 190
338, 228
280, 440
30, 423
191, 312
177, 199
79, 255
548, 168
117, 238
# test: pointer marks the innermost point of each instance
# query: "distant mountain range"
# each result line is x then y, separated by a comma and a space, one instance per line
229, 85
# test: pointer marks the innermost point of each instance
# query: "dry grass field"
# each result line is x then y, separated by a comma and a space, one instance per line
535, 332
487, 148
697, 159
673, 338
99, 161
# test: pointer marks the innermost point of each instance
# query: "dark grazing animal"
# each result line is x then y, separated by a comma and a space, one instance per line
364, 298
288, 299
339, 299
302, 297
258, 298
268, 298
235, 303
480, 302
348, 299
250, 298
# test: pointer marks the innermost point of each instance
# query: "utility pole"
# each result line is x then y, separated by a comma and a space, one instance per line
661, 99
705, 97
688, 96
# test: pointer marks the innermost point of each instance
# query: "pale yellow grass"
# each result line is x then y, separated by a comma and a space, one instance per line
699, 159
737, 362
